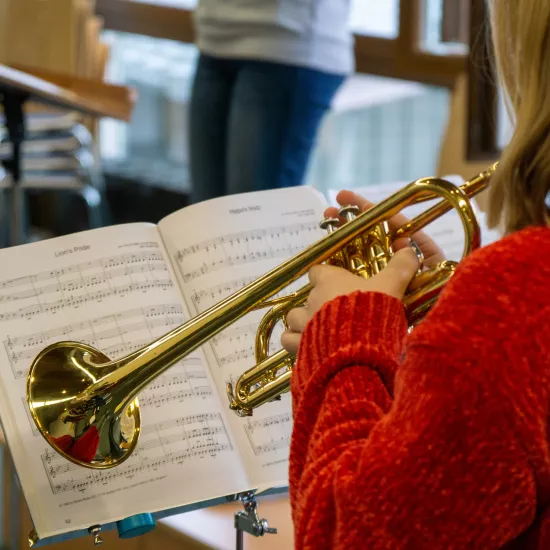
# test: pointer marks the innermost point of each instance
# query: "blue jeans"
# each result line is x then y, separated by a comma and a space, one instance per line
253, 124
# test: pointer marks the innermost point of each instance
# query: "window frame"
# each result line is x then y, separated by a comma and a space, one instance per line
401, 57
453, 27
482, 118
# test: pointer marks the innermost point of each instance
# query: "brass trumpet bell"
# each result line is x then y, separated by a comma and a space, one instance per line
85, 405
78, 414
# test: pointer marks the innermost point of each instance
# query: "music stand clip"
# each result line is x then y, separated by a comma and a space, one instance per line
248, 521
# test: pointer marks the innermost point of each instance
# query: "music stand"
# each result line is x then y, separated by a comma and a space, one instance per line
89, 97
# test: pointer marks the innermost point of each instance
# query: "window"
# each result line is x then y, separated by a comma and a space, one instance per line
421, 40
371, 142
446, 26
379, 19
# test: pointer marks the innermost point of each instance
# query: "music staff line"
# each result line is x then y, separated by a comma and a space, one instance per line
76, 301
210, 438
196, 386
45, 335
245, 247
215, 294
236, 343
67, 467
104, 263
145, 271
269, 434
82, 282
186, 380
22, 349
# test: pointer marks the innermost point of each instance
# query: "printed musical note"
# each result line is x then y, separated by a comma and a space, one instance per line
186, 380
236, 343
243, 248
114, 290
114, 334
269, 434
177, 441
205, 298
232, 262
49, 292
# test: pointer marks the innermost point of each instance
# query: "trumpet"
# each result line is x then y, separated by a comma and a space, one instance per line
74, 390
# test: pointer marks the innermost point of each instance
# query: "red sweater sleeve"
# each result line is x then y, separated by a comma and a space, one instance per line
442, 458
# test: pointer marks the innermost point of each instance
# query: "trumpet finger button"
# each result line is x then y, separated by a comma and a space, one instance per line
329, 224
349, 211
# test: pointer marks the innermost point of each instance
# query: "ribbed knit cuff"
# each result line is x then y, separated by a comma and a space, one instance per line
363, 328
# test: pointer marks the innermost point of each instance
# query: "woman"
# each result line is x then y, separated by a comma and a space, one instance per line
267, 74
439, 439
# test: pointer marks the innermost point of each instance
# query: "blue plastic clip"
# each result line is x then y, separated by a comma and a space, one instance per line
135, 526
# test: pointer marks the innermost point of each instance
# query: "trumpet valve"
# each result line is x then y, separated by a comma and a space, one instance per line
349, 212
378, 247
330, 225
356, 261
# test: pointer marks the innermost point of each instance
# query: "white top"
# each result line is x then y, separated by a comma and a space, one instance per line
309, 33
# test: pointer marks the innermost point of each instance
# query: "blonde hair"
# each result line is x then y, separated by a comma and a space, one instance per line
521, 41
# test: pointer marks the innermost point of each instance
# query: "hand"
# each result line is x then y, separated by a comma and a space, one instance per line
329, 282
430, 250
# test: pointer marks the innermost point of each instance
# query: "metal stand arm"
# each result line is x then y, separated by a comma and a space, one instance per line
249, 522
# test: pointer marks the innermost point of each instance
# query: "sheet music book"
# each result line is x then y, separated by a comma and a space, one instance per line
119, 288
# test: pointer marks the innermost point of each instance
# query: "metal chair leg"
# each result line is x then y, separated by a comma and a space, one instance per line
92, 198
18, 215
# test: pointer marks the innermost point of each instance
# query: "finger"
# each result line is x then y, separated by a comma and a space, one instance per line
404, 265
297, 319
432, 252
331, 212
349, 197
291, 341
346, 197
320, 272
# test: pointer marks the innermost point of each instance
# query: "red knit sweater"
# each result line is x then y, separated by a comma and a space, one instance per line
438, 440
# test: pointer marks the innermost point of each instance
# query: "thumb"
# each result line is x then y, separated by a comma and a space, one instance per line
404, 265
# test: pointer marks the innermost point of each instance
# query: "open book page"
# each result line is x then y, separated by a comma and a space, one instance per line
447, 230
218, 247
113, 288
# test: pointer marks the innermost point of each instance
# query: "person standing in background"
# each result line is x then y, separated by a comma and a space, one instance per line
267, 73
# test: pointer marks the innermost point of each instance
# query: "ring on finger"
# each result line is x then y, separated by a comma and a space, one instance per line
419, 255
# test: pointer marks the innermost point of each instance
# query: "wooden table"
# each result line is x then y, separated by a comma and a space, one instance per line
89, 97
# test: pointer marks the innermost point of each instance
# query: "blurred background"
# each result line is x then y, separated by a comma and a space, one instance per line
409, 96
